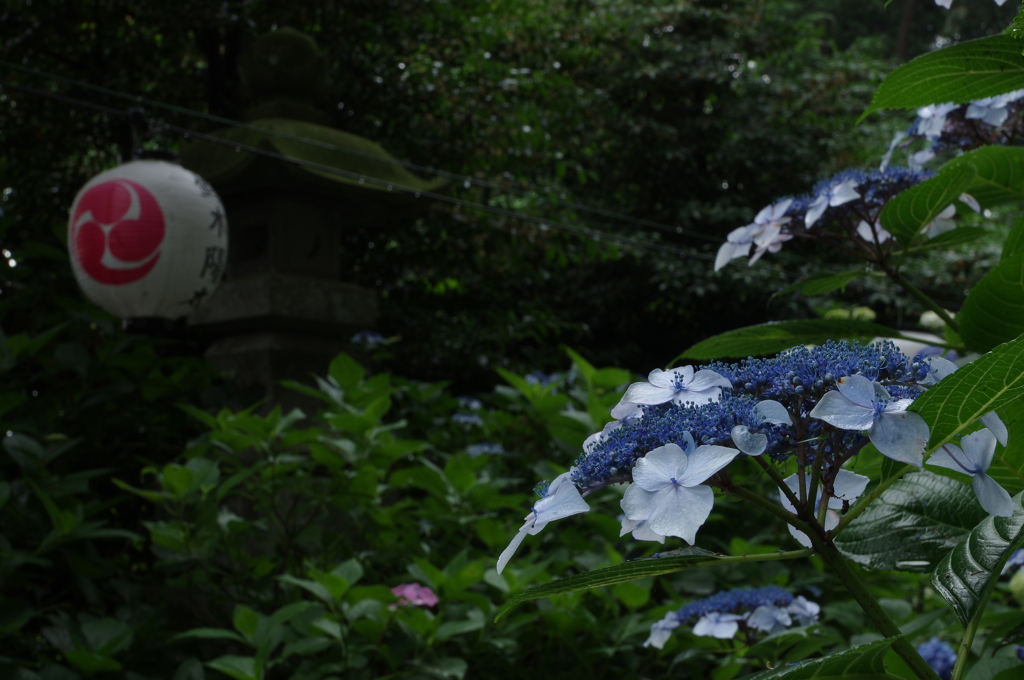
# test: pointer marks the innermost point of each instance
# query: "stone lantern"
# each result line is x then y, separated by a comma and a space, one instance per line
284, 308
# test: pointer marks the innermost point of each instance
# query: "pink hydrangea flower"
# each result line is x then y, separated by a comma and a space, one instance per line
414, 594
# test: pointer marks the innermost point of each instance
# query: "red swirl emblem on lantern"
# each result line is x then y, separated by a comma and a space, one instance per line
117, 229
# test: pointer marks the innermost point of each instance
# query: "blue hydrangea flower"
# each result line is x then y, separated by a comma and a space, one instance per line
485, 449
678, 385
717, 625
834, 195
974, 459
560, 499
863, 404
369, 338
939, 655
1016, 560
468, 419
764, 234
661, 631
846, 488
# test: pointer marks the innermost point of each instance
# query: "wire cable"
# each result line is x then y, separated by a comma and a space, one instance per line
238, 147
465, 180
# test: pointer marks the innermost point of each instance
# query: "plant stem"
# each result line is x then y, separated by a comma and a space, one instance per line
862, 504
842, 569
921, 297
777, 478
770, 507
964, 648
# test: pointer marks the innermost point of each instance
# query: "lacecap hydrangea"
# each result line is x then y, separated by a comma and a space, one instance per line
676, 434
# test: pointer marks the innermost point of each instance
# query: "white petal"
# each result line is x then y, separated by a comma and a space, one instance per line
848, 486
767, 235
704, 462
721, 626
993, 422
995, 116
647, 394
661, 631
815, 210
801, 538
749, 442
626, 409
773, 412
844, 193
831, 520
659, 467
971, 202
660, 378
705, 379
901, 435
792, 482
562, 500
637, 504
698, 397
688, 445
679, 511
643, 532
837, 410
859, 390
506, 554
767, 617
939, 368
628, 525
993, 498
944, 3
727, 252
947, 457
980, 448
594, 439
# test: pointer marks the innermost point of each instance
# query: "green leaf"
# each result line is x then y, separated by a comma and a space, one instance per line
911, 211
1000, 174
620, 573
913, 524
955, 237
176, 479
861, 663
959, 74
774, 337
312, 586
986, 384
246, 621
190, 669
334, 584
209, 634
91, 662
452, 628
237, 667
966, 575
346, 371
1013, 246
993, 313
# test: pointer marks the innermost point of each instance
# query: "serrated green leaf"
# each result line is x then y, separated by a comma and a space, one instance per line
866, 662
823, 283
620, 573
955, 237
966, 575
1000, 174
913, 524
452, 628
986, 384
237, 667
911, 211
960, 73
771, 338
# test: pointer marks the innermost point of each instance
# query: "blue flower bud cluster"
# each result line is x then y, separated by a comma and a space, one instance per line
735, 601
796, 378
939, 655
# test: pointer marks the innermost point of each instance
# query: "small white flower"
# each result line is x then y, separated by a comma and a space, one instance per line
667, 492
833, 196
862, 404
562, 500
942, 223
974, 459
896, 139
873, 233
916, 161
765, 233
717, 625
847, 487
769, 619
933, 119
661, 631
641, 531
678, 385
805, 611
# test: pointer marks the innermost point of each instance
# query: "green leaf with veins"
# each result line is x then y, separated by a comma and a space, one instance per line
866, 662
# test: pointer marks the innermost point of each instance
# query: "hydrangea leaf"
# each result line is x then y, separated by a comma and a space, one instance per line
825, 282
1000, 174
986, 384
682, 560
770, 338
913, 524
960, 73
994, 311
966, 576
906, 215
864, 662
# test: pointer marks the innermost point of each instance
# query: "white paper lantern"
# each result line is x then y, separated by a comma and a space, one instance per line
148, 239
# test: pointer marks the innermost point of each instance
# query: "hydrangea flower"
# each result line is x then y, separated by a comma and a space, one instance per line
413, 594
468, 419
939, 655
755, 443
769, 619
833, 196
862, 404
847, 487
717, 625
560, 500
667, 492
369, 338
939, 368
764, 234
873, 232
1016, 560
662, 631
485, 449
805, 611
677, 385
932, 119
974, 459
